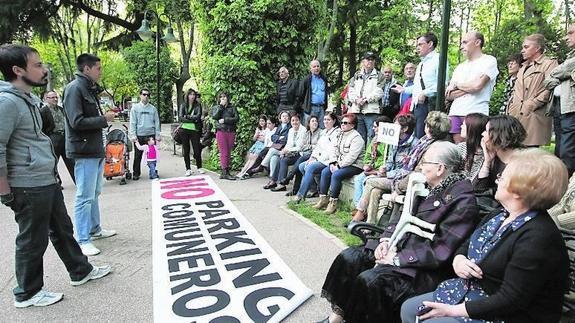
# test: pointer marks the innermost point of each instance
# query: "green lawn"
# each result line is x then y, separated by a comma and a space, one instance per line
333, 223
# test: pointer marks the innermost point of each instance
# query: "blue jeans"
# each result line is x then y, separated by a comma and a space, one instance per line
308, 174
359, 184
334, 181
365, 125
317, 111
281, 171
89, 180
153, 172
409, 310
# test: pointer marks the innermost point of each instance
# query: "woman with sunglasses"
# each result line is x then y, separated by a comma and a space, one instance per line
515, 266
345, 162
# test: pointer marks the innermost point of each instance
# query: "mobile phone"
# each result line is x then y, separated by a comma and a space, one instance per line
422, 309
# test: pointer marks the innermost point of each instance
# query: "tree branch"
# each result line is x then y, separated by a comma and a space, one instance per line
79, 4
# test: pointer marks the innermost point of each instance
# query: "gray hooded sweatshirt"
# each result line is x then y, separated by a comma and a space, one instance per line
26, 154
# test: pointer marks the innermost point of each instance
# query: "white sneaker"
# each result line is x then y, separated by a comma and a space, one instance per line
89, 249
96, 273
42, 298
188, 172
103, 234
201, 171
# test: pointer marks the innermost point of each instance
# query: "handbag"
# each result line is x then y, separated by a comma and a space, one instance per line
278, 146
177, 135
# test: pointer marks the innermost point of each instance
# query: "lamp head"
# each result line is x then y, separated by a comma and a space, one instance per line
144, 31
169, 36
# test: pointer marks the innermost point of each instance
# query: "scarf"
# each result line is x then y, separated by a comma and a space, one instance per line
446, 182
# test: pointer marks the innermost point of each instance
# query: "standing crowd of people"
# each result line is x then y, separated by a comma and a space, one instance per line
496, 252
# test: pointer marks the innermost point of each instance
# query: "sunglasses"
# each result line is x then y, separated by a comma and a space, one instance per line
346, 122
146, 94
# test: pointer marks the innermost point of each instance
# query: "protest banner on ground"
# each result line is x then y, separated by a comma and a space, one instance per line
210, 264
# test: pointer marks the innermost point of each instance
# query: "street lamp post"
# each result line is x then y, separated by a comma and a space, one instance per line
146, 34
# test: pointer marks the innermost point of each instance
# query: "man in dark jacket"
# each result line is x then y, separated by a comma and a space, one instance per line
85, 143
54, 126
30, 188
287, 93
313, 90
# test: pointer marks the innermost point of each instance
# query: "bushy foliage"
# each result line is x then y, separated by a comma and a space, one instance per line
243, 45
141, 60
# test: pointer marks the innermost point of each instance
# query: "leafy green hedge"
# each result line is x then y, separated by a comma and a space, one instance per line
141, 60
243, 45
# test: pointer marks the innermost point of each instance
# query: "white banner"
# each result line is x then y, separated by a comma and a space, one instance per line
388, 133
210, 263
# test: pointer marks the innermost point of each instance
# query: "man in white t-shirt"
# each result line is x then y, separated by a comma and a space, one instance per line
472, 83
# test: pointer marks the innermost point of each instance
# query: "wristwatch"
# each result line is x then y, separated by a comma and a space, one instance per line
396, 261
7, 198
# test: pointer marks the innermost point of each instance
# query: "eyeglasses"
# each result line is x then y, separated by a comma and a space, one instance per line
51, 97
498, 178
345, 122
146, 94
423, 162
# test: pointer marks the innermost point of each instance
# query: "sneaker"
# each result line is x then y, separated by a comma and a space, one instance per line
96, 273
103, 234
135, 178
42, 298
188, 172
201, 171
88, 249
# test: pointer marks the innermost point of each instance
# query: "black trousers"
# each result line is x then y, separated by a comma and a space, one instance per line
59, 143
137, 166
193, 137
566, 141
41, 214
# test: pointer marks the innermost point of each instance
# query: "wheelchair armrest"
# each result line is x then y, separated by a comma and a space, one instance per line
365, 231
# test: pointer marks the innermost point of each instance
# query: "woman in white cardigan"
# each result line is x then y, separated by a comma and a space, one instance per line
290, 150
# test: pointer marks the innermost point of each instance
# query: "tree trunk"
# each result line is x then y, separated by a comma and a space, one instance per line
324, 45
352, 58
186, 54
430, 13
341, 66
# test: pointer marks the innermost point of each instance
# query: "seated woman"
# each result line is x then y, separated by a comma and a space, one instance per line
374, 157
503, 136
471, 131
345, 163
288, 154
369, 283
515, 266
257, 147
279, 139
385, 173
437, 126
308, 142
563, 213
320, 156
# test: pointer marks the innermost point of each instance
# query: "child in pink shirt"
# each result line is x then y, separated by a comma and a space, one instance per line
151, 156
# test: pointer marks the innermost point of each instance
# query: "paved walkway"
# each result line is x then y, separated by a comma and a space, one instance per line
126, 295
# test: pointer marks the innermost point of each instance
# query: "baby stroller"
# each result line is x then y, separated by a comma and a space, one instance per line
118, 149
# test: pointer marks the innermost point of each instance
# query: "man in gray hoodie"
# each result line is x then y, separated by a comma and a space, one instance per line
28, 182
